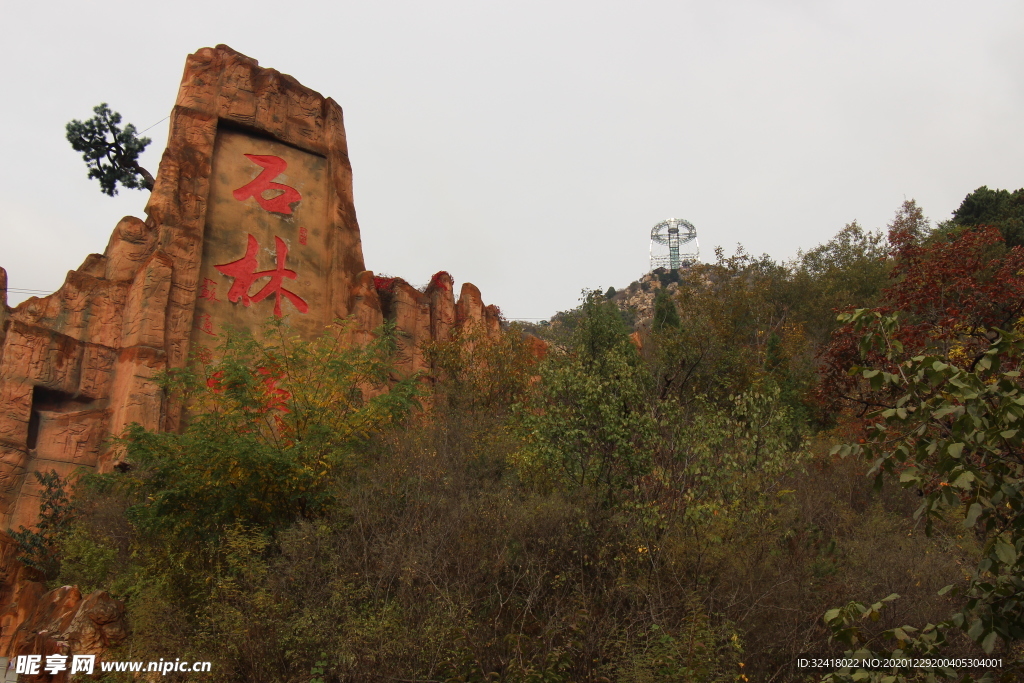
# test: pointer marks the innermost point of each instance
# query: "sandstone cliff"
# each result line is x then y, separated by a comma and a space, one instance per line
78, 366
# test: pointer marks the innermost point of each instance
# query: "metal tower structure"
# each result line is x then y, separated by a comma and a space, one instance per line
673, 235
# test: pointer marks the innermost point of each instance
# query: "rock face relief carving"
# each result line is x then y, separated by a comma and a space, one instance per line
251, 215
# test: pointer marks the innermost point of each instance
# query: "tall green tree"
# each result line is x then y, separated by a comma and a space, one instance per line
665, 313
110, 152
1003, 209
851, 269
590, 421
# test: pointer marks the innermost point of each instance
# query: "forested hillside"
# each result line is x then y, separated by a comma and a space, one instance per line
698, 477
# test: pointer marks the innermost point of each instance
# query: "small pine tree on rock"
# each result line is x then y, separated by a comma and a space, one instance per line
110, 152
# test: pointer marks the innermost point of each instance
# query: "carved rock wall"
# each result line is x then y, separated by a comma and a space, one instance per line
420, 317
80, 365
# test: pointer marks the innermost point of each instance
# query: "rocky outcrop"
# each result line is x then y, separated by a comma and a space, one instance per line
441, 293
420, 317
537, 347
80, 365
366, 313
35, 621
410, 311
639, 297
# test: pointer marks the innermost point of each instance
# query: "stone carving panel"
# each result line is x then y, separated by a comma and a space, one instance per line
266, 246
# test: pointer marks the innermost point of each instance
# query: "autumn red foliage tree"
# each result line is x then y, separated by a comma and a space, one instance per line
953, 291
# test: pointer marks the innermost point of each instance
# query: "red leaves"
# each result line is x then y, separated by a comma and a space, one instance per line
439, 280
384, 284
962, 286
953, 293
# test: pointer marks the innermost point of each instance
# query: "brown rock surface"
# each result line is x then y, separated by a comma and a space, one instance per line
40, 622
366, 312
97, 626
469, 311
537, 347
441, 292
410, 310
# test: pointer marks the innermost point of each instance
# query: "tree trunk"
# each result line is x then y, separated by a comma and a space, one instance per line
147, 177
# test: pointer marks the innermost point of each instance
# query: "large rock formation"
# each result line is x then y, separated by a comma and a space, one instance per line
251, 215
35, 621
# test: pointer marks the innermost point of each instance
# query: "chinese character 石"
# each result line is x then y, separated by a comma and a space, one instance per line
82, 663
208, 290
302, 235
28, 664
56, 663
245, 274
272, 167
206, 324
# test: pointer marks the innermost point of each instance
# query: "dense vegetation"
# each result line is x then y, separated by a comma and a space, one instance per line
681, 497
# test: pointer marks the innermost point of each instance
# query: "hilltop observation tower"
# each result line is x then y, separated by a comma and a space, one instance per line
674, 244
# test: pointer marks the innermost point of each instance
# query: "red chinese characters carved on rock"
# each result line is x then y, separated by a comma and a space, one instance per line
208, 290
244, 270
205, 323
273, 166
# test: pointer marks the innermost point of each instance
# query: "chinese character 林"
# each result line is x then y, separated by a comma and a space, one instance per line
245, 273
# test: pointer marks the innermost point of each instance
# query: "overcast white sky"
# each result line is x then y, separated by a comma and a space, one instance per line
528, 147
